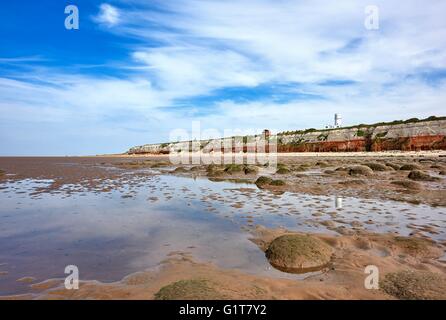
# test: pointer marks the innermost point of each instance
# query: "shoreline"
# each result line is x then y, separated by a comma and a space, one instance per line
365, 154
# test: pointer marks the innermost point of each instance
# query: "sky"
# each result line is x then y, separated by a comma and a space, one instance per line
137, 70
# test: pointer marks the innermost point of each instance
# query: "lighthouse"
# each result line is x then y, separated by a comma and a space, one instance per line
337, 120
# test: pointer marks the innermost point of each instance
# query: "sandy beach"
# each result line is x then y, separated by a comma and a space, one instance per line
381, 209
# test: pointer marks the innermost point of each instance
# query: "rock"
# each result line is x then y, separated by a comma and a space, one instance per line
393, 165
418, 175
416, 247
180, 170
251, 170
415, 285
356, 224
277, 183
283, 170
26, 279
263, 181
216, 173
194, 289
360, 170
352, 183
410, 166
213, 167
407, 184
160, 164
214, 170
322, 164
344, 231
328, 223
297, 253
234, 168
376, 166
443, 172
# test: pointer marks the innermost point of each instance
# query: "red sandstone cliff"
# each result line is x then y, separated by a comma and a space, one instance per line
411, 135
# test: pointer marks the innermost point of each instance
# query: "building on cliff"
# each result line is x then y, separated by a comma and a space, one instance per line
337, 122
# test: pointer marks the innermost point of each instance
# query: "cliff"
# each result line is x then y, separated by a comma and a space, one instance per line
409, 135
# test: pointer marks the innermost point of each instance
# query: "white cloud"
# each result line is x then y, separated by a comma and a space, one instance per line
215, 44
108, 15
190, 70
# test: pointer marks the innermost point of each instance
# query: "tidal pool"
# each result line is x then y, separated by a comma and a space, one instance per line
111, 233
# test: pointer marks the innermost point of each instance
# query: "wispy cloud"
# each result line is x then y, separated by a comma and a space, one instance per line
15, 60
108, 15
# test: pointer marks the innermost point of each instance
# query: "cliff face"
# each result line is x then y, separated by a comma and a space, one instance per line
422, 135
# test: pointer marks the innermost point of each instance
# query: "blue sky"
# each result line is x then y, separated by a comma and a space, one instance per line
136, 70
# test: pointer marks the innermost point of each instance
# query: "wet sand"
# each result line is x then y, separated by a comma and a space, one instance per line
359, 214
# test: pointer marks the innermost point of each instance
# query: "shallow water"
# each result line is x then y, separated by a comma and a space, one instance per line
111, 234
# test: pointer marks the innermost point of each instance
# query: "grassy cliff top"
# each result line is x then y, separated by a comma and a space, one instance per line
391, 123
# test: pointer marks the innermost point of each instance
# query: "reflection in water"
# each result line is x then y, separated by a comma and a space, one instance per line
338, 202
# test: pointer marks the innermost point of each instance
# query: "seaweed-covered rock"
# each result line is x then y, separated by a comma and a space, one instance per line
407, 184
216, 173
353, 182
418, 175
376, 166
234, 168
194, 289
213, 167
160, 164
393, 165
417, 247
322, 164
299, 168
251, 169
277, 183
298, 253
263, 181
410, 167
415, 285
360, 171
283, 170
214, 170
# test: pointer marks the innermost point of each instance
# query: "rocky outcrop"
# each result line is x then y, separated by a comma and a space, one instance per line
415, 135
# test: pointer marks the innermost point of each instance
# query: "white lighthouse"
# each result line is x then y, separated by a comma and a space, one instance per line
337, 120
